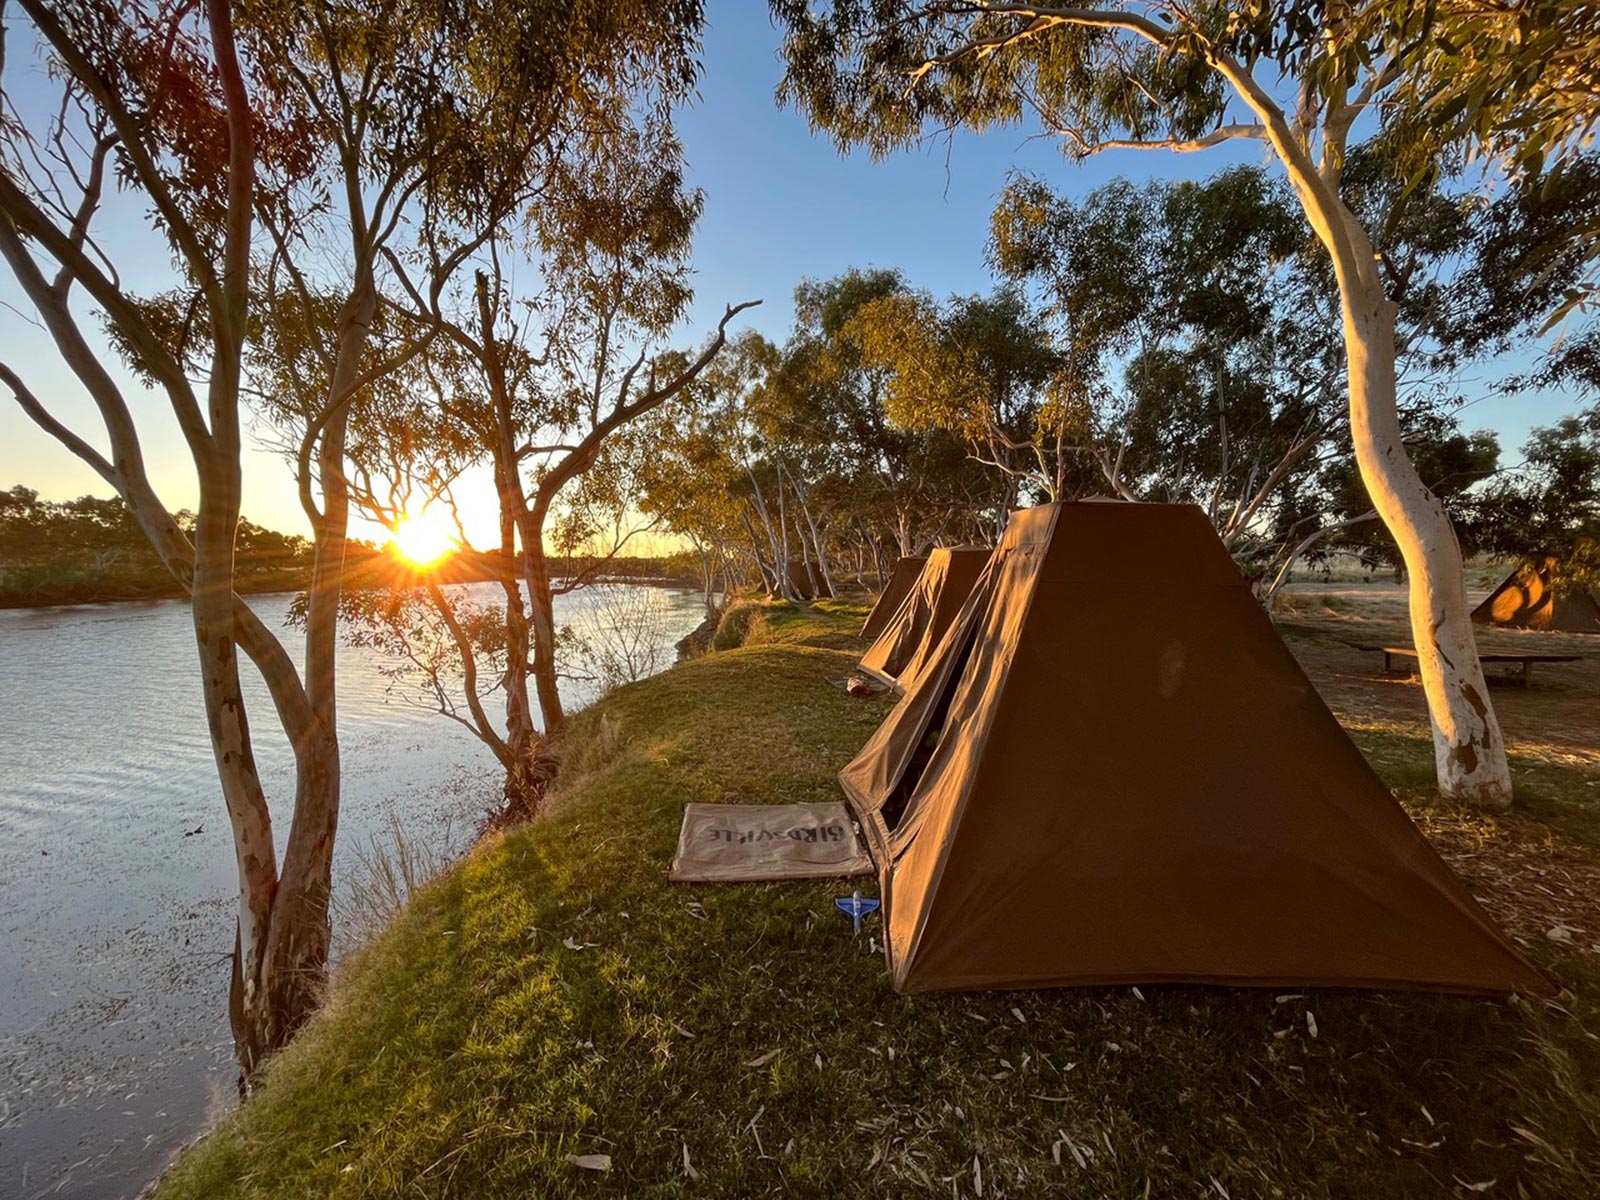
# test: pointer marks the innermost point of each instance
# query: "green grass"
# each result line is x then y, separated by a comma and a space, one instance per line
470, 1049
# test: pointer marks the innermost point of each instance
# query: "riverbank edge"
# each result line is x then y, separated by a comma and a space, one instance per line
552, 998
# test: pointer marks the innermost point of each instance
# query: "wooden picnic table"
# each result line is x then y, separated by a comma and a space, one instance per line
1390, 653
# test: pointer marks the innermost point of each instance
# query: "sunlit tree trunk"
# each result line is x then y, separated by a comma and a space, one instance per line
781, 587
768, 577
1469, 751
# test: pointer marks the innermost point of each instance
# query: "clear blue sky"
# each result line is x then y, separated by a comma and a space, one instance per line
780, 206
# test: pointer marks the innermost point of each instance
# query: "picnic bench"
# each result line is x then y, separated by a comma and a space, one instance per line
1390, 653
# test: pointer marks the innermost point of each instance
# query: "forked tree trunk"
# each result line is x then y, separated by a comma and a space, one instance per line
781, 586
825, 583
295, 962
768, 579
294, 965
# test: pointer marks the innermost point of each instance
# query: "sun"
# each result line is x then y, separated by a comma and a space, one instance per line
425, 538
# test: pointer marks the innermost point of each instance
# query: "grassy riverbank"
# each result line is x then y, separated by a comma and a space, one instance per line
554, 996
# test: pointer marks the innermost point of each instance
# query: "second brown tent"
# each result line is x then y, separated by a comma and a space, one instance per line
908, 640
895, 590
1113, 771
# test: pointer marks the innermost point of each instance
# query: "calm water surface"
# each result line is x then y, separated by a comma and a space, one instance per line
117, 886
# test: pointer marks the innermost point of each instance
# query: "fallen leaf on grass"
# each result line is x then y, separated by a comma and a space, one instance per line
591, 1162
688, 1167
765, 1058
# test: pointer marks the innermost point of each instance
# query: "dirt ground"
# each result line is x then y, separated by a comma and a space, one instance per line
1536, 868
1556, 719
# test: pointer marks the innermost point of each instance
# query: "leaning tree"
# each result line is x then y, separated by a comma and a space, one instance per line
1293, 77
156, 100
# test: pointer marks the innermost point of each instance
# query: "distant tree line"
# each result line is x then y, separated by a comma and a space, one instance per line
91, 549
76, 551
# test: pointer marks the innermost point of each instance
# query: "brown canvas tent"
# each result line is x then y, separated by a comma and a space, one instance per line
1115, 772
901, 580
1530, 599
805, 580
908, 640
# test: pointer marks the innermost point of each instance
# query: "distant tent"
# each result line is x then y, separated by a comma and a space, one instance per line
1114, 772
911, 634
806, 581
1531, 599
901, 580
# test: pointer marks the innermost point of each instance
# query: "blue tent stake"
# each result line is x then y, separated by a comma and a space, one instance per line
856, 907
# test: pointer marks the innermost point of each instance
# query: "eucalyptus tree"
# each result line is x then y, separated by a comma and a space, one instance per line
430, 123
560, 330
985, 369
158, 100
1294, 78
423, 429
912, 486
321, 136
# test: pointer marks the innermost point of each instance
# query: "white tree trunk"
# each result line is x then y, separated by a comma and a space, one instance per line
1469, 751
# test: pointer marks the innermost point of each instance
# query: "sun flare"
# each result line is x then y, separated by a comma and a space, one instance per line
425, 538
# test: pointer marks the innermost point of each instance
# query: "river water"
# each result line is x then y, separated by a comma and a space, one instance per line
117, 886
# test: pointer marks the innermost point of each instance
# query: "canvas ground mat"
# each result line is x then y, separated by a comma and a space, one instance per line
729, 842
